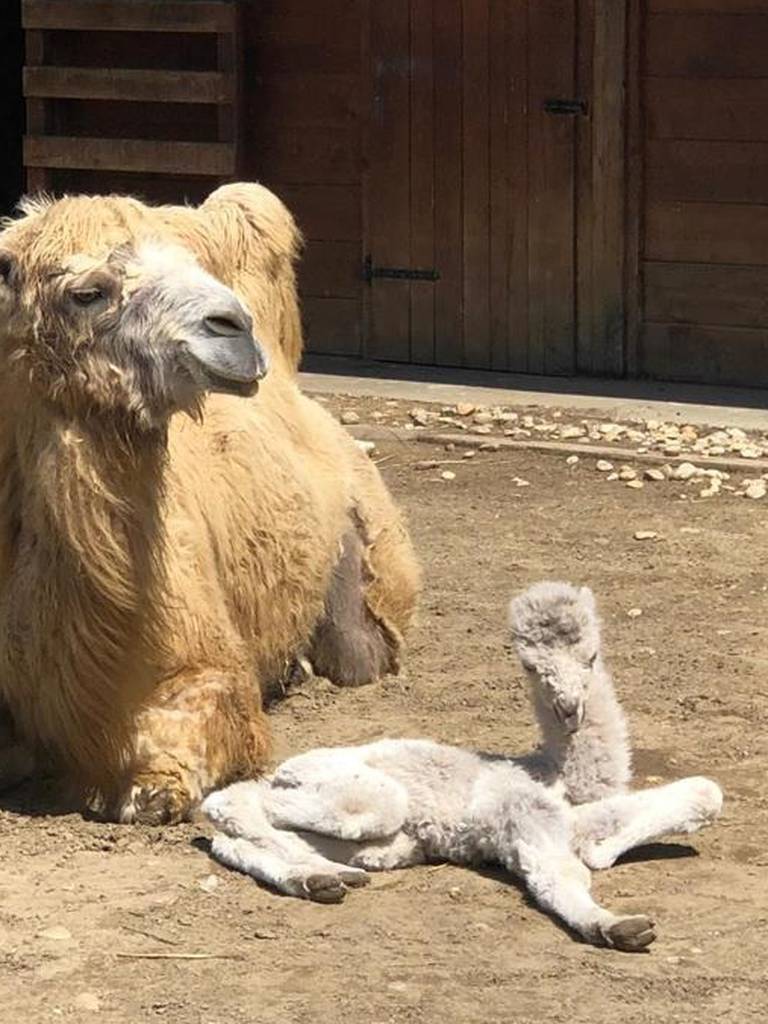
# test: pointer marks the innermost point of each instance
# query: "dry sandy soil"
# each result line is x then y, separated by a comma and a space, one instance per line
94, 918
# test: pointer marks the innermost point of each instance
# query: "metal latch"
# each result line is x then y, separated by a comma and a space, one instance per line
565, 106
397, 273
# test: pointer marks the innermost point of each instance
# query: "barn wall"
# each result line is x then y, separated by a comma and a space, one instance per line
303, 138
704, 255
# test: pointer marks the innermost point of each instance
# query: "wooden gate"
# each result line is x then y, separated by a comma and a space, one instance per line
470, 196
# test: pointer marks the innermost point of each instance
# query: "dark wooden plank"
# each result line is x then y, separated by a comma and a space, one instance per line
708, 6
717, 172
306, 156
706, 233
707, 108
701, 293
331, 270
551, 340
328, 213
111, 119
499, 185
601, 239
518, 178
727, 355
449, 257
311, 38
36, 178
129, 155
633, 178
229, 61
129, 84
153, 188
422, 198
332, 326
389, 179
707, 45
328, 100
131, 16
476, 183
132, 50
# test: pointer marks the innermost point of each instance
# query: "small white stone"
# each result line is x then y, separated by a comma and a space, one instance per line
567, 433
490, 446
209, 883
654, 474
645, 535
483, 428
465, 408
685, 471
756, 489
369, 447
750, 451
426, 464
88, 1001
635, 485
56, 933
447, 474
420, 417
627, 473
603, 466
635, 613
572, 460
519, 482
612, 476
482, 418
470, 454
348, 417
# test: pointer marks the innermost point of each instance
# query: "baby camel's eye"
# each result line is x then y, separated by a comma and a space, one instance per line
87, 296
592, 660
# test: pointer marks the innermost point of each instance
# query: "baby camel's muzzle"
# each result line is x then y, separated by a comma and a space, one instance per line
570, 712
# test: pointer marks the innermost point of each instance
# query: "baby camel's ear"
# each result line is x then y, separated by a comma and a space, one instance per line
253, 241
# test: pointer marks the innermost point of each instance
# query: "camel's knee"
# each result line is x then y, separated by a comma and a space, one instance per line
351, 646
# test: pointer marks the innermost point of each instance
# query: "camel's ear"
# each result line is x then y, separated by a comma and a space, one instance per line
33, 206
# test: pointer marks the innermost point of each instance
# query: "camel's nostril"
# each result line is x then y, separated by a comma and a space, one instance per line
226, 324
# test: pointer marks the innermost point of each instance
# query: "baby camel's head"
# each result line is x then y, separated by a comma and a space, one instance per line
556, 634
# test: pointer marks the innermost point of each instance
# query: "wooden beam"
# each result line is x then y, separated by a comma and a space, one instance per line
128, 84
137, 155
134, 16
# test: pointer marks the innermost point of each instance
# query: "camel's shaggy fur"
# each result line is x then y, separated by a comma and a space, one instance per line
326, 816
157, 570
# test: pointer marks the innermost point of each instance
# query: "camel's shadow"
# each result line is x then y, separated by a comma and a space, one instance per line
43, 797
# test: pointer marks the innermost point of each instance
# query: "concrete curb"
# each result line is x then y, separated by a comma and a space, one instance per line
377, 432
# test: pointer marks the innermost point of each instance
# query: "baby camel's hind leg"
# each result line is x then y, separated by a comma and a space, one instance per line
605, 829
334, 793
250, 843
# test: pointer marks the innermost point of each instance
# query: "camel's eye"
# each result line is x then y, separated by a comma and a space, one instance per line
592, 660
87, 296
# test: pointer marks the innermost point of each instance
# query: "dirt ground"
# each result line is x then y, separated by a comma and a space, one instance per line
94, 918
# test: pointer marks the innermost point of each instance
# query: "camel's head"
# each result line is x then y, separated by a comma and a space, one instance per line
556, 634
100, 312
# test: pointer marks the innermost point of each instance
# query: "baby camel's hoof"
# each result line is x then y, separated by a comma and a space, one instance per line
631, 934
354, 879
325, 888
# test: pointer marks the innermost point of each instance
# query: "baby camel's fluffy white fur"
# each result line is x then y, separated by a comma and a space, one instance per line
327, 816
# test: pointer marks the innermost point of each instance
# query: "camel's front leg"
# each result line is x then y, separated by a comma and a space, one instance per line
201, 731
605, 829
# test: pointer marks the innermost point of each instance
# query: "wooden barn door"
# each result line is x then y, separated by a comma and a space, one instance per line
469, 202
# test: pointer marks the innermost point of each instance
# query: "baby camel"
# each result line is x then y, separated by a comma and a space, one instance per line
325, 817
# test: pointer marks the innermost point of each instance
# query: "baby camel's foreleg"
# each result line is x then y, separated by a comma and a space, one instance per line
334, 793
605, 829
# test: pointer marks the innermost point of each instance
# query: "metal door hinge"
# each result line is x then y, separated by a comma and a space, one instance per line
397, 273
565, 106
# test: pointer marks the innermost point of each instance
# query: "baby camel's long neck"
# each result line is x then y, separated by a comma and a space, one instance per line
594, 761
87, 568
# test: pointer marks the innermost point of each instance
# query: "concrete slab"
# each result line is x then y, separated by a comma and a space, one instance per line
610, 399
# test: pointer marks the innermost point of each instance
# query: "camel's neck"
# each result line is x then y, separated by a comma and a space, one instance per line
594, 761
86, 563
